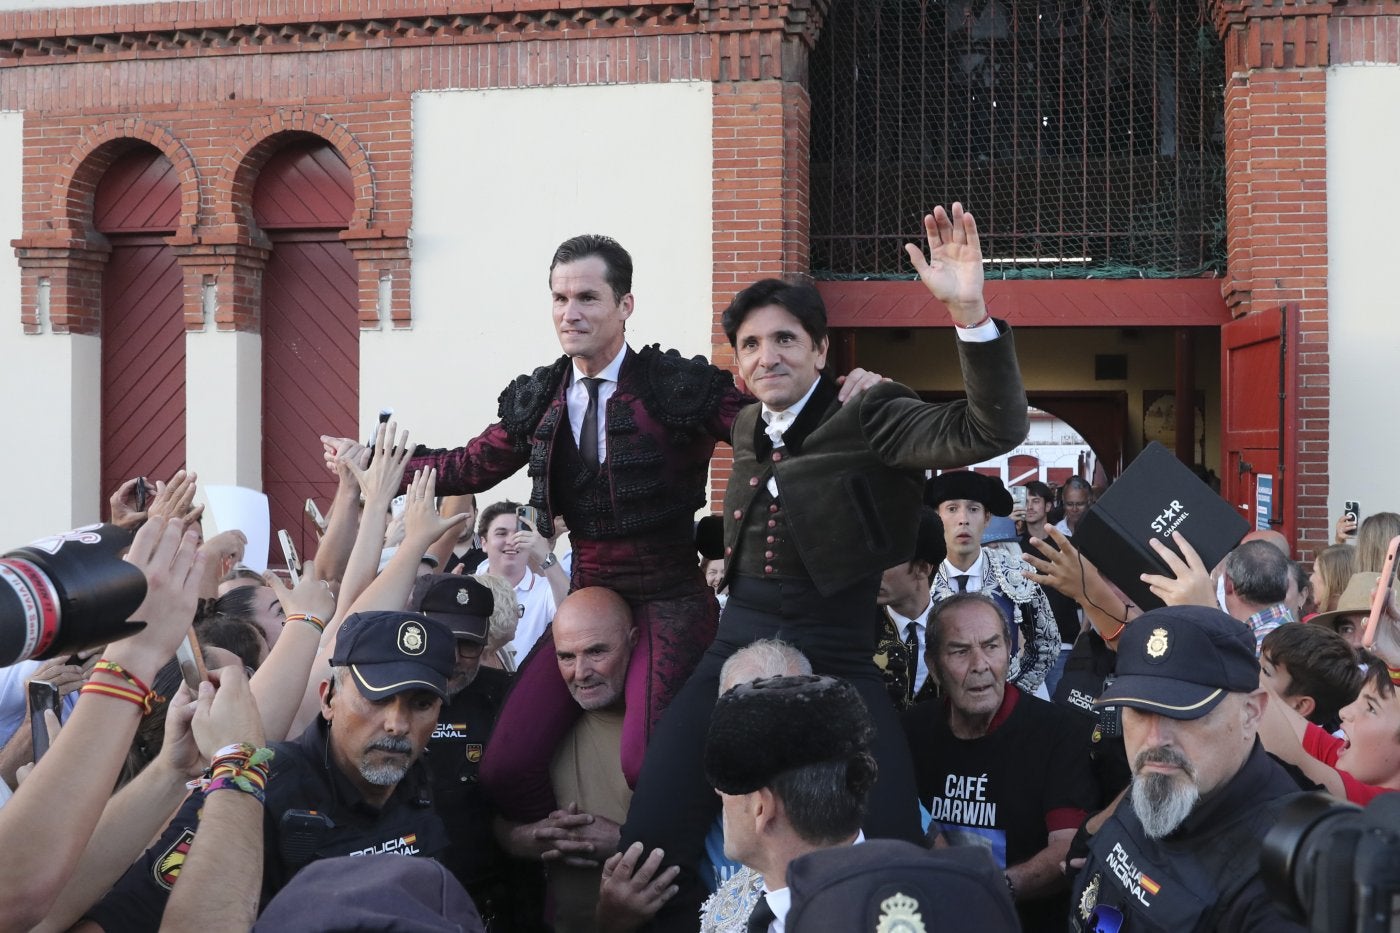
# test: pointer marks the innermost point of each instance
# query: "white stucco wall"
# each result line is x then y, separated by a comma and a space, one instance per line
49, 383
1363, 200
223, 407
500, 178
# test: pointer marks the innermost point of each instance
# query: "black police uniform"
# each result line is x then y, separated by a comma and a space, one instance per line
453, 759
313, 812
1202, 877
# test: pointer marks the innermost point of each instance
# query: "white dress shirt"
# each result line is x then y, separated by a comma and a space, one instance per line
974, 574
793, 410
576, 400
921, 626
982, 333
780, 901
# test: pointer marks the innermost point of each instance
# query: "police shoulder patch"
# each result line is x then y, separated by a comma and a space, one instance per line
167, 867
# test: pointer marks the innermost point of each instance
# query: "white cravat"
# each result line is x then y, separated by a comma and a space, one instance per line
778, 422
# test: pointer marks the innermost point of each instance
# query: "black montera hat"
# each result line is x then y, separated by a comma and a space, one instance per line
462, 604
930, 544
887, 884
391, 652
965, 484
1181, 661
760, 729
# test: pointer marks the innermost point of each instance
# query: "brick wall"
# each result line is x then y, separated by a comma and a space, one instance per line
1276, 210
218, 85
760, 202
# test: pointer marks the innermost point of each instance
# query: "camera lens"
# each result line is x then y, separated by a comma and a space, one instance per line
66, 593
1302, 856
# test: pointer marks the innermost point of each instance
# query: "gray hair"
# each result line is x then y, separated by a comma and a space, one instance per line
767, 657
1259, 573
934, 636
505, 617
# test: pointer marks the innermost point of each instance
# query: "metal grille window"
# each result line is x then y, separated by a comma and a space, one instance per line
1087, 136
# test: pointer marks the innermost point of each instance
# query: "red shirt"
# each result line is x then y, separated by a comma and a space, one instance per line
1325, 747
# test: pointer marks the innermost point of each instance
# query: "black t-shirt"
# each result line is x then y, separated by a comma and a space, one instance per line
1008, 789
470, 559
312, 812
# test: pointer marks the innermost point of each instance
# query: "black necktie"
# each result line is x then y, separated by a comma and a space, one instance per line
762, 916
588, 436
911, 641
961, 580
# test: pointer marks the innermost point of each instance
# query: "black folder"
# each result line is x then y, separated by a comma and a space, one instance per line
1156, 495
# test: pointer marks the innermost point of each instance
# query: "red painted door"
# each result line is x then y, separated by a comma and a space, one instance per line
1258, 377
136, 204
1022, 469
310, 331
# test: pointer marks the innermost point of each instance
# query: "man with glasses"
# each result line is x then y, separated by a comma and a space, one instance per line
1076, 496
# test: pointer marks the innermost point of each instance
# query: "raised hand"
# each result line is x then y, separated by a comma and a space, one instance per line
175, 499
381, 480
342, 448
953, 269
311, 596
178, 749
536, 546
226, 713
174, 563
1189, 584
422, 522
1062, 568
124, 513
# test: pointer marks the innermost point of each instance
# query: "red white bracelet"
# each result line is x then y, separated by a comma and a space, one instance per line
985, 318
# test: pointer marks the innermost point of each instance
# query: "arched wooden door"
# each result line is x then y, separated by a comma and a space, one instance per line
310, 329
137, 205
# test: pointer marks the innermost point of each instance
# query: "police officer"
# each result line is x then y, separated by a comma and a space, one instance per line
474, 697
351, 784
1181, 851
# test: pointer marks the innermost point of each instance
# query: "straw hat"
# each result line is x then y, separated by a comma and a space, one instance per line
1355, 598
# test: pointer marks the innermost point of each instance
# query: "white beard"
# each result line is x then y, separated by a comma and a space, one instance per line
1162, 802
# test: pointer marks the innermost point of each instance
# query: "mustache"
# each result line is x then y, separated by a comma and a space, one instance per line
390, 743
1164, 755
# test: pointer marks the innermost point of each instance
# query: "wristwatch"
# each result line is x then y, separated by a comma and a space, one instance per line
549, 561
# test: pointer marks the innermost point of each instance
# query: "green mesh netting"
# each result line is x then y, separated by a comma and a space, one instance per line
1087, 136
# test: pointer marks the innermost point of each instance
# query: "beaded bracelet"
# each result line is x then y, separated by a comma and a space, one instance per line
318, 624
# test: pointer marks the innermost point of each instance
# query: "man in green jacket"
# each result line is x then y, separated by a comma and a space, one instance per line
823, 498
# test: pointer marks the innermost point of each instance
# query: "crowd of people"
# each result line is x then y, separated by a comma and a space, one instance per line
919, 707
